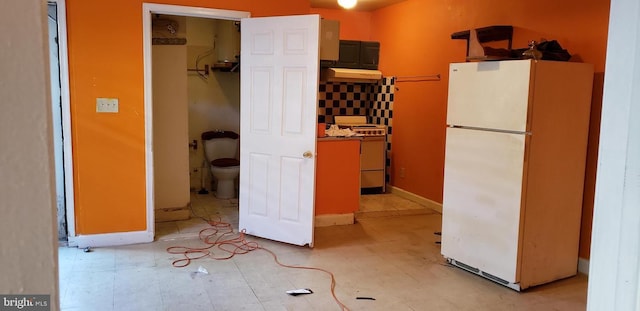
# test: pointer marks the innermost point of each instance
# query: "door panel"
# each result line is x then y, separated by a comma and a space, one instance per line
260, 106
292, 175
293, 96
257, 197
279, 87
482, 199
492, 95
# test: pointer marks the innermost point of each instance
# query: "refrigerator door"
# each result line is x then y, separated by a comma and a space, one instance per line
482, 199
490, 95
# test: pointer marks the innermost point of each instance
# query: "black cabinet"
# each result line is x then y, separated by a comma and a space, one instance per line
357, 55
349, 54
369, 54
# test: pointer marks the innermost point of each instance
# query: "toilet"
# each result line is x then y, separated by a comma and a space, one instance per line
221, 151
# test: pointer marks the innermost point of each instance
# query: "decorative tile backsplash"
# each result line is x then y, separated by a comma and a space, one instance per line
341, 99
355, 99
381, 111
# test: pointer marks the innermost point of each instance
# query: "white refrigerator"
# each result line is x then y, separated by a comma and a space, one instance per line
516, 143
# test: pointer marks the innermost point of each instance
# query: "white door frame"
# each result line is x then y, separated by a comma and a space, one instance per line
63, 59
614, 272
147, 10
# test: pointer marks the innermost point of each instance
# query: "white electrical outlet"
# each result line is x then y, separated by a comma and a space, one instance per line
109, 105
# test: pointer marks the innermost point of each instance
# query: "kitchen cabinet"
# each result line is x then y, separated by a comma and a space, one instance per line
337, 180
329, 40
369, 54
358, 54
349, 56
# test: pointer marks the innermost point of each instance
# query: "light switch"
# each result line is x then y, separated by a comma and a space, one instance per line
109, 105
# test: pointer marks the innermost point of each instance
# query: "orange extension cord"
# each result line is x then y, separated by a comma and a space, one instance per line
221, 235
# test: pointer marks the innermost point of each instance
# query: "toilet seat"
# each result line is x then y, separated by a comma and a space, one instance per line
225, 162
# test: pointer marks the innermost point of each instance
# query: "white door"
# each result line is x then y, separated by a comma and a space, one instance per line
481, 200
278, 112
491, 95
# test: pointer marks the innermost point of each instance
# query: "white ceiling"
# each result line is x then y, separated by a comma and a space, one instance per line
363, 5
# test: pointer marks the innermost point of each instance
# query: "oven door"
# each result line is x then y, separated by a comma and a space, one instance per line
372, 162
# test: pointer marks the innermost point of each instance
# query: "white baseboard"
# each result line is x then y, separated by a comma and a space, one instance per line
333, 220
111, 239
416, 198
583, 266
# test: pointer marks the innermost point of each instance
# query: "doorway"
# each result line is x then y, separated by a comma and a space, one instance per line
151, 10
289, 136
196, 89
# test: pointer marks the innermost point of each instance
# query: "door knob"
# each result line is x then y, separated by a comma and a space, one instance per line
307, 154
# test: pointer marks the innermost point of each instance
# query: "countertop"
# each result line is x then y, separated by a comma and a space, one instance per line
339, 138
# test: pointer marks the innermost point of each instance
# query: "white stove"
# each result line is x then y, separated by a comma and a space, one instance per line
372, 149
359, 125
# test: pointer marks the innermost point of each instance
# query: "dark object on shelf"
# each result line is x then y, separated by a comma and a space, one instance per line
168, 41
475, 38
227, 66
551, 50
532, 52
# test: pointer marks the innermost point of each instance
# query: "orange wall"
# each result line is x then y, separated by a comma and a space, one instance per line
415, 40
106, 60
354, 25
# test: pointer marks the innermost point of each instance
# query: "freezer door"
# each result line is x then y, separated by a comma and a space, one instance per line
481, 204
491, 95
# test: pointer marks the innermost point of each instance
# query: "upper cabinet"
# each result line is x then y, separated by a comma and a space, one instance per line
369, 54
349, 54
329, 40
345, 53
357, 55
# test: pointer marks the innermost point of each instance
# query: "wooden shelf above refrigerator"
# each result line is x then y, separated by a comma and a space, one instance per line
475, 38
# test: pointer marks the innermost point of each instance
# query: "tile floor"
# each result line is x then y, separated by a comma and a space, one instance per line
394, 259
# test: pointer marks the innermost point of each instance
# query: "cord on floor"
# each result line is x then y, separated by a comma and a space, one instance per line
221, 236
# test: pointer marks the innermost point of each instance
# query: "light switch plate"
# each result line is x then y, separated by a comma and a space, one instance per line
109, 105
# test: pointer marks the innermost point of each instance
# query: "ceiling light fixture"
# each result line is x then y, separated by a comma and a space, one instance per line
347, 4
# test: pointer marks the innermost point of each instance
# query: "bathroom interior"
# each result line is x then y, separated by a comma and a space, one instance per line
196, 90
